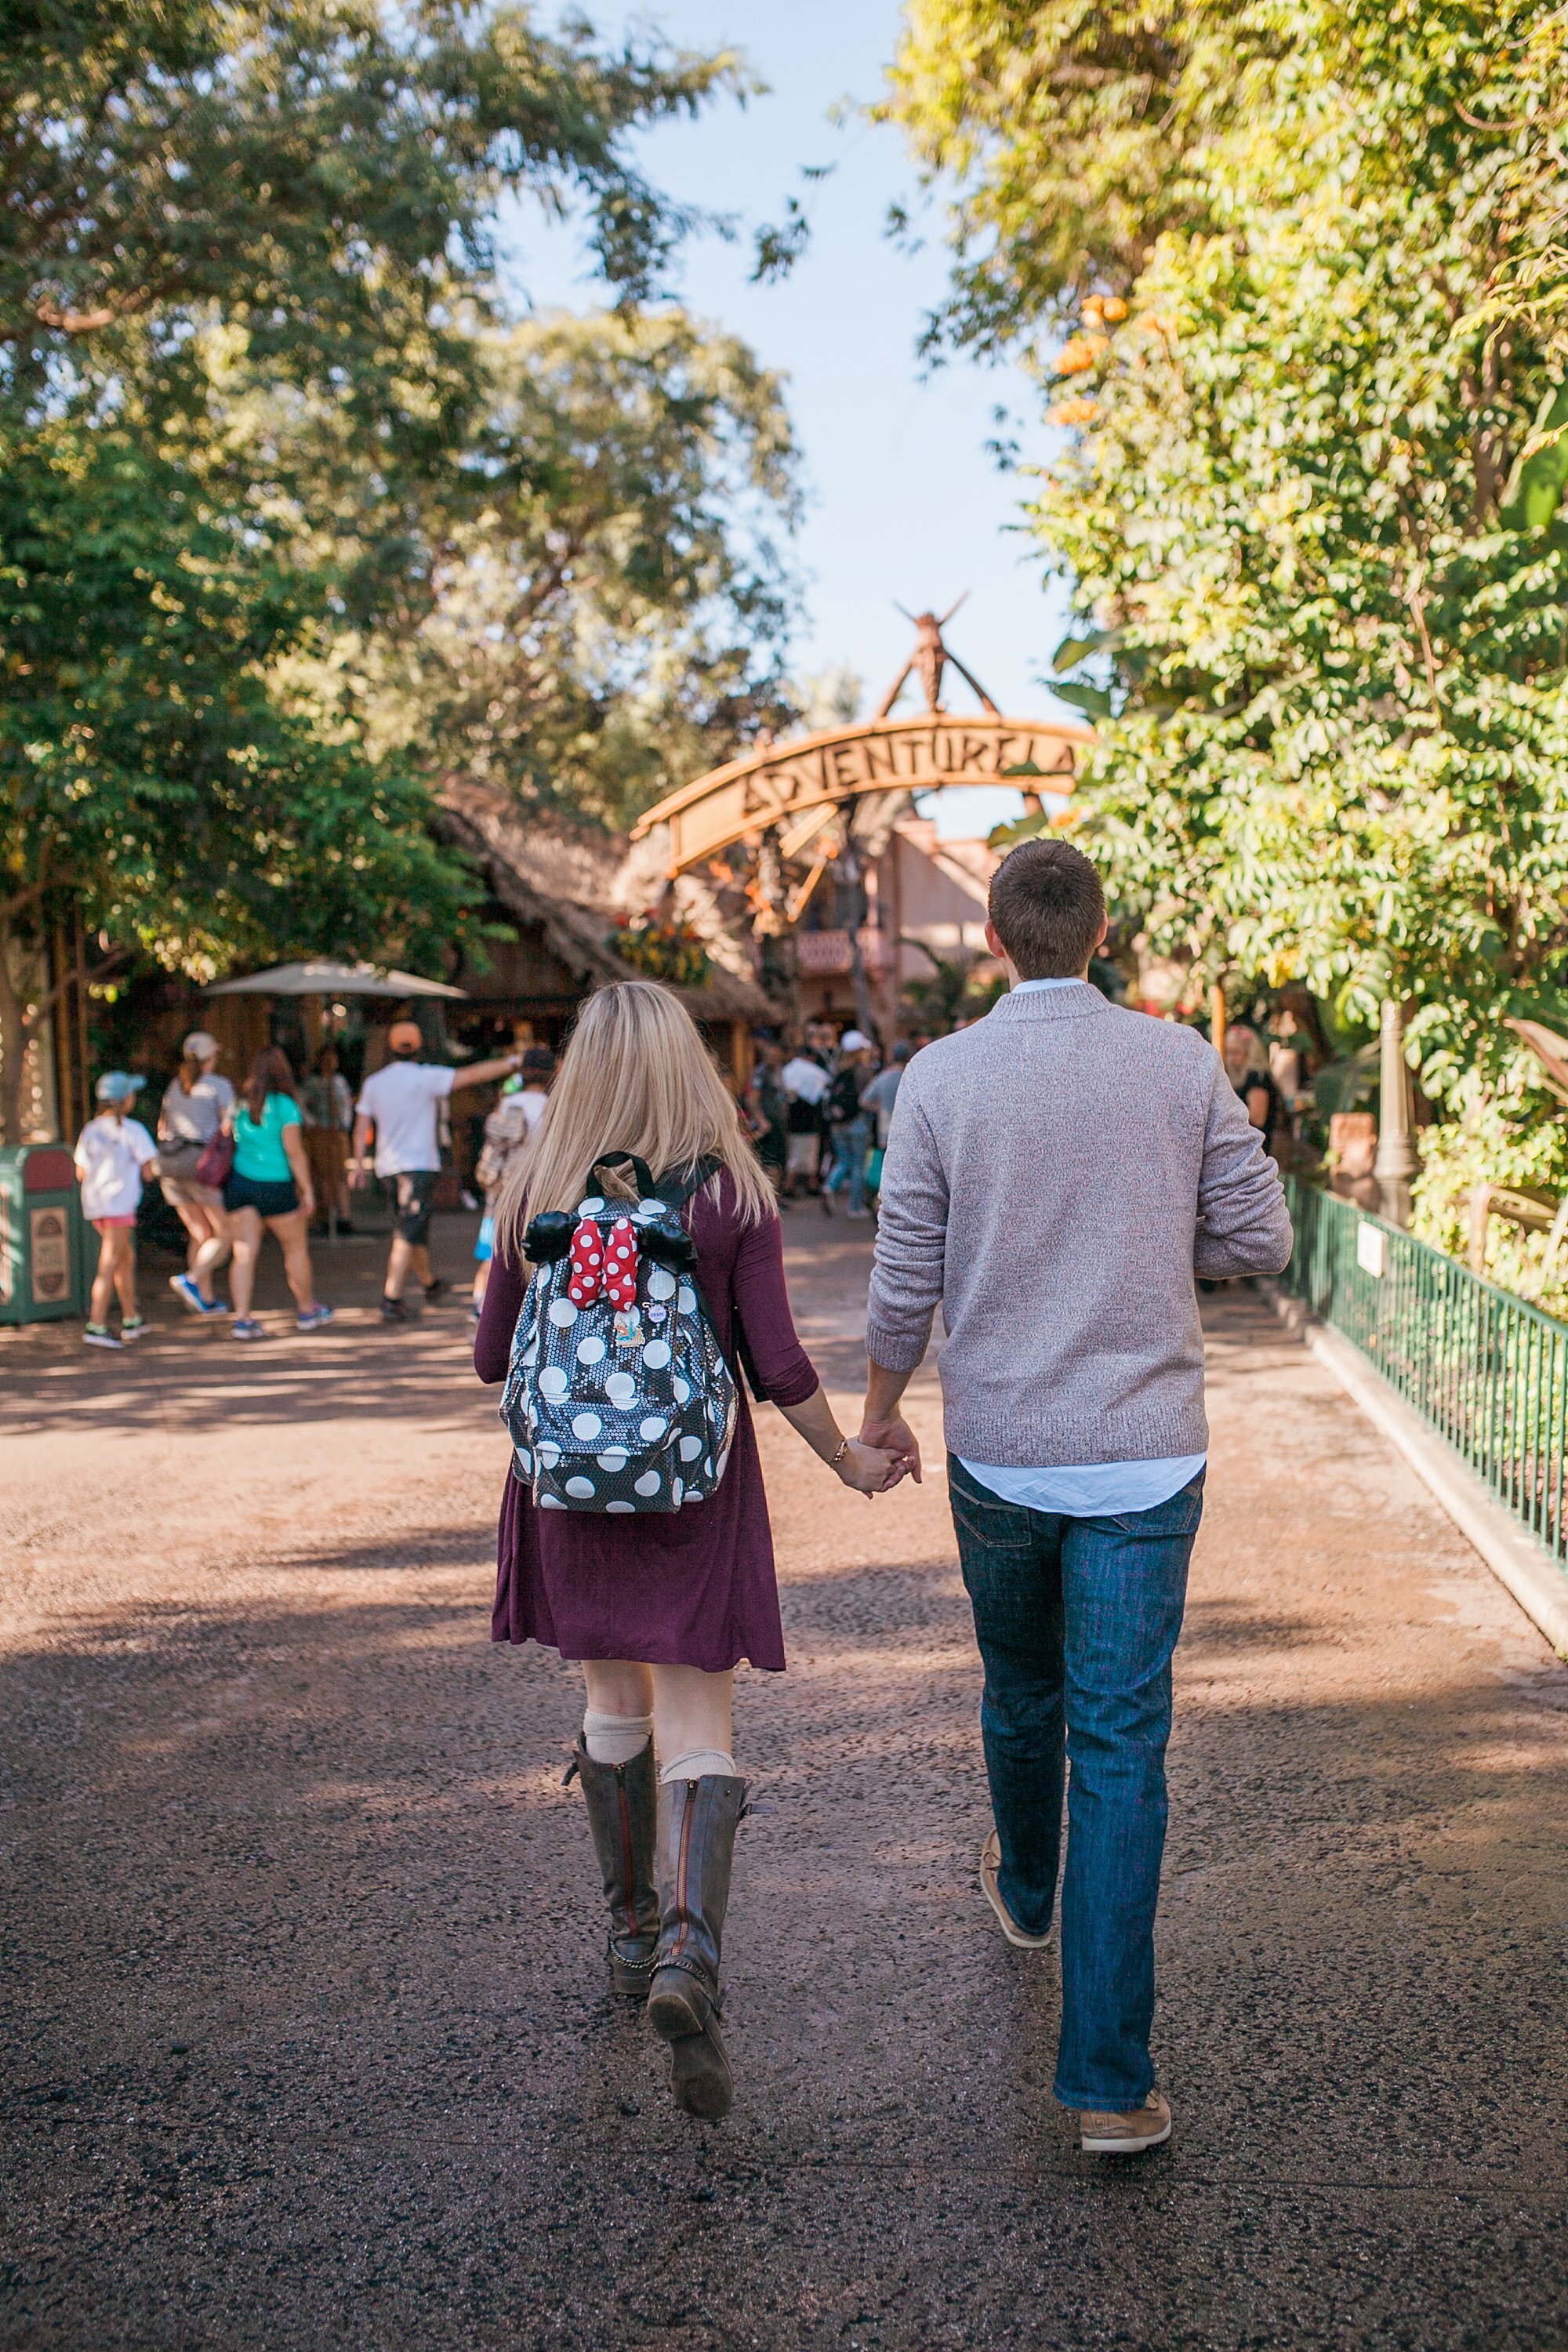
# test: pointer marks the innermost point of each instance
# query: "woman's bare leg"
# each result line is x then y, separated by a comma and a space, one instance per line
216, 1247
691, 1714
245, 1231
690, 1709
616, 1687
194, 1218
293, 1235
207, 1226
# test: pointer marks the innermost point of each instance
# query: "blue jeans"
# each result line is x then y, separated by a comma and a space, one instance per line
1077, 1620
851, 1148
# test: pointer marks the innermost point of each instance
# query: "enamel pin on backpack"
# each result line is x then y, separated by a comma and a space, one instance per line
618, 1397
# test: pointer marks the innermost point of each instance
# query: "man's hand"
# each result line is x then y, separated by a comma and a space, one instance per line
894, 1436
882, 1425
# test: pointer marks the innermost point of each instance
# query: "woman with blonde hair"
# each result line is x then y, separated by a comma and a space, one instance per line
659, 1605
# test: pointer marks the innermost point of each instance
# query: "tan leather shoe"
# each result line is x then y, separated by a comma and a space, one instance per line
1128, 2135
990, 1866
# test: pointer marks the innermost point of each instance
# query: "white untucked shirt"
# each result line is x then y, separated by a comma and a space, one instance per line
110, 1154
807, 1080
404, 1099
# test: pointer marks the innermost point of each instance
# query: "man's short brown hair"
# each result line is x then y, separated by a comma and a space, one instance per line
1048, 909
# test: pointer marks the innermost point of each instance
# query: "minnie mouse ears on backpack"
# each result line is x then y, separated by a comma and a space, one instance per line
662, 1236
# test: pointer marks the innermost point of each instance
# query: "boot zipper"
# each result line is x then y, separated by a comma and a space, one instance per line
681, 1867
628, 1860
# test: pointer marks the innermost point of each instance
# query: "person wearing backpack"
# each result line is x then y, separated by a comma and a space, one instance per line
638, 1265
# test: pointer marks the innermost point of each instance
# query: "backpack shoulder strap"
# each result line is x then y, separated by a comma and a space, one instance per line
676, 1191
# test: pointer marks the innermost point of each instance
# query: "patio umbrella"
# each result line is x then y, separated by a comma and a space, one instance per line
332, 980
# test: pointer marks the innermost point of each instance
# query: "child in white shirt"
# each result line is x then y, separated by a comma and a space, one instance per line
111, 1153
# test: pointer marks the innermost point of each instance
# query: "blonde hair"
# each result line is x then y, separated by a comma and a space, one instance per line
636, 1078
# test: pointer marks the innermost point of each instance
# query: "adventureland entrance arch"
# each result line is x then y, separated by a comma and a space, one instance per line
792, 790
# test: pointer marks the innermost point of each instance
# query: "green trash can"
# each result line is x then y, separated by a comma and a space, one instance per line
44, 1271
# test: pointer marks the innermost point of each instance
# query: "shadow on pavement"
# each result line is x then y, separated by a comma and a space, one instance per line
311, 2039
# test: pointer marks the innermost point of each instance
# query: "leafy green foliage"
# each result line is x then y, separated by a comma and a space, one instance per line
1070, 135
1506, 1134
1307, 487
604, 604
290, 527
148, 765
325, 171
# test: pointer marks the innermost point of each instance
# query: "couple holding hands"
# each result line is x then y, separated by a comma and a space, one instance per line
1056, 1176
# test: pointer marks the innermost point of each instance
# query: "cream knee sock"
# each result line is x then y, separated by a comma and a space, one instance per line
698, 1762
616, 1738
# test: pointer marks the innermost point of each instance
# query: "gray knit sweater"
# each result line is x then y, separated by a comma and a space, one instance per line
1056, 1176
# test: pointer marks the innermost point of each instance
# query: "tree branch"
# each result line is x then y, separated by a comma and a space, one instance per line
82, 975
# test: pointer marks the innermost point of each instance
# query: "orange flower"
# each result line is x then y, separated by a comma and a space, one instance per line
1081, 352
1072, 412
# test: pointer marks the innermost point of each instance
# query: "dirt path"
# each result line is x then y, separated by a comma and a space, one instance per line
306, 2037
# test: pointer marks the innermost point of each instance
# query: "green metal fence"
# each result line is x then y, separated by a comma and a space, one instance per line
1487, 1370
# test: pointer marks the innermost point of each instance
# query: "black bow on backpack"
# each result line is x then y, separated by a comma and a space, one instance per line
664, 1238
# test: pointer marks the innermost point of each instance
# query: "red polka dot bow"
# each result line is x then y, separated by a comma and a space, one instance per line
603, 1268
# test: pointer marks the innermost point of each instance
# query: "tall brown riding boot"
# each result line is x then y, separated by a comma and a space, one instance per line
696, 1825
622, 1814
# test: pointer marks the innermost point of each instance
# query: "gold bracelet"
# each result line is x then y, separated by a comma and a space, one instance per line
843, 1450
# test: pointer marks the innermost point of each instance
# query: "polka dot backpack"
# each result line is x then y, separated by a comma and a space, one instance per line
618, 1397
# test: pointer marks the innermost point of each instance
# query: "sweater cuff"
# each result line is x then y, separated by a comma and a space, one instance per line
897, 1348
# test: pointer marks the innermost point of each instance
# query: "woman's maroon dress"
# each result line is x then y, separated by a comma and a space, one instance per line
690, 1588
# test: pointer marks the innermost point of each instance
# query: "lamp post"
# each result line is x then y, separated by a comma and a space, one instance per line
1396, 1163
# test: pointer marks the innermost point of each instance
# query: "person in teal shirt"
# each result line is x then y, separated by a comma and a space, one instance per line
260, 1155
268, 1187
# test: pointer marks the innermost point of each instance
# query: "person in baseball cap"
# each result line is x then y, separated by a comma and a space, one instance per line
112, 1152
196, 1102
400, 1105
850, 1123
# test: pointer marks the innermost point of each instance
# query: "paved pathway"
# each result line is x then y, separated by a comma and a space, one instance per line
307, 2041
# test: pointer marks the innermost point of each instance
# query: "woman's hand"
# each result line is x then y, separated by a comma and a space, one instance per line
868, 1469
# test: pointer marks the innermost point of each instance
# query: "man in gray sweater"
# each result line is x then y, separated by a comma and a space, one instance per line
1056, 1178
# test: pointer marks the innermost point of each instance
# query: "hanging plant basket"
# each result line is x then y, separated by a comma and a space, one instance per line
662, 950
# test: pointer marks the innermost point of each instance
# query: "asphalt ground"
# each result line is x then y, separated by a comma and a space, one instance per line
307, 2040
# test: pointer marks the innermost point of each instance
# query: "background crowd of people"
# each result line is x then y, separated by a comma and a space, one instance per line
277, 1154
819, 1118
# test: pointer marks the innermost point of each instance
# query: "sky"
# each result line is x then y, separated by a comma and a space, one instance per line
904, 504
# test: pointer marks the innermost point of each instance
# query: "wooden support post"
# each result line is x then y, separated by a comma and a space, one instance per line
1397, 1161
1216, 1018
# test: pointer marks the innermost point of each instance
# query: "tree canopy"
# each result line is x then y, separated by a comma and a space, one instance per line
1309, 504
295, 518
605, 600
149, 770
324, 171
